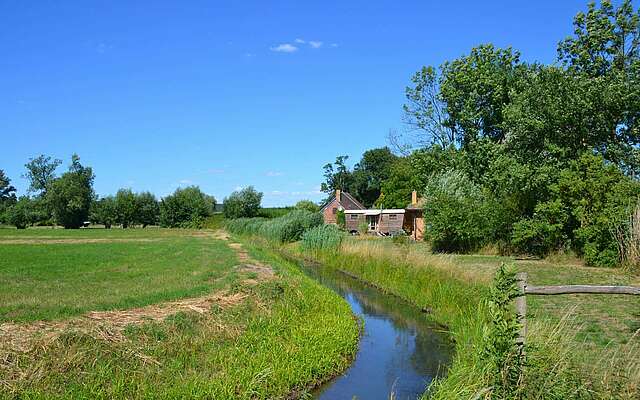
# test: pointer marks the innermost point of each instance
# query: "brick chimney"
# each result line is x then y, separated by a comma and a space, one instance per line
338, 195
414, 197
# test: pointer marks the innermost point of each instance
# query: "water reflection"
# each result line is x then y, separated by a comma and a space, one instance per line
400, 350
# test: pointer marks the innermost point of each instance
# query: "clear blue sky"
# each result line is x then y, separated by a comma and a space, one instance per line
224, 94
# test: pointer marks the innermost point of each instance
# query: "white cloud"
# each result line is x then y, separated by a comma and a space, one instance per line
249, 55
278, 193
315, 44
301, 41
274, 173
285, 48
334, 44
185, 182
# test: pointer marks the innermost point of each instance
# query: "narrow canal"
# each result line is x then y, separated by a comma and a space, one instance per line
400, 351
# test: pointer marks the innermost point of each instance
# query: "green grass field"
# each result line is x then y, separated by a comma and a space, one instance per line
256, 336
50, 274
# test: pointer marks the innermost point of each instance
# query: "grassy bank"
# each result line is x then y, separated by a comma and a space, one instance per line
561, 361
260, 333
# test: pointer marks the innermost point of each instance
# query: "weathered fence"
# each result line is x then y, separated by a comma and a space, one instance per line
525, 289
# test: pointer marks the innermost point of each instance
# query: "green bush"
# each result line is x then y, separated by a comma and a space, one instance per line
457, 213
322, 238
243, 204
21, 213
307, 205
186, 208
542, 233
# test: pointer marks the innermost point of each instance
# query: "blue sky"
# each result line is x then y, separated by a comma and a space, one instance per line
224, 94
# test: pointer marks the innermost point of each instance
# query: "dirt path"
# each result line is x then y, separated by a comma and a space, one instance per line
110, 325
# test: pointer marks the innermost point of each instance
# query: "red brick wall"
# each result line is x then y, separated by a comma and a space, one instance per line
329, 214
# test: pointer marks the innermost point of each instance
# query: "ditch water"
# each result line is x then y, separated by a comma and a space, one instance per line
400, 351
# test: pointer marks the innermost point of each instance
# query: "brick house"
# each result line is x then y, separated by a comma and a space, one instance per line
340, 201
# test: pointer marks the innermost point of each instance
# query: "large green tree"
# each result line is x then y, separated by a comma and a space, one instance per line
147, 209
186, 208
71, 195
243, 203
41, 171
126, 207
368, 174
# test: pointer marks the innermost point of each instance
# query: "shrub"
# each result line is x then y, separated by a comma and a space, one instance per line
20, 214
307, 205
186, 208
457, 213
543, 232
243, 204
341, 219
322, 238
500, 349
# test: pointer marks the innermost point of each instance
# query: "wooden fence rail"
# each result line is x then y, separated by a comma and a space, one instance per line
525, 289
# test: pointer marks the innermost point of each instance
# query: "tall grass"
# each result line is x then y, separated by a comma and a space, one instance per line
458, 297
322, 238
285, 229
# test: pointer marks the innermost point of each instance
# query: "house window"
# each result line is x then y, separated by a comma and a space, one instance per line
393, 217
334, 211
354, 216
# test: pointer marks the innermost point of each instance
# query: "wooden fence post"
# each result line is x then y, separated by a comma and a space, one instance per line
521, 307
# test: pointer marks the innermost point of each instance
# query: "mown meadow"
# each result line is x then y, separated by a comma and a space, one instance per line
163, 314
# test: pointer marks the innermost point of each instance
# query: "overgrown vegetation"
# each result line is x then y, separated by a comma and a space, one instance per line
324, 238
285, 229
524, 157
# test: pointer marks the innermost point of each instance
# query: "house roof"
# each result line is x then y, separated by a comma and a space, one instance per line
343, 195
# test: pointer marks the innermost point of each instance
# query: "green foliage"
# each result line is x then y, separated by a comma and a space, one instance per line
500, 350
542, 233
307, 205
396, 189
457, 213
598, 196
70, 196
368, 174
104, 211
274, 212
322, 238
126, 207
186, 208
475, 89
41, 173
147, 209
337, 176
243, 204
363, 227
365, 181
285, 229
21, 213
341, 220
7, 195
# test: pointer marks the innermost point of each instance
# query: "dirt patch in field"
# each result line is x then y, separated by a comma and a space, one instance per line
76, 241
106, 325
